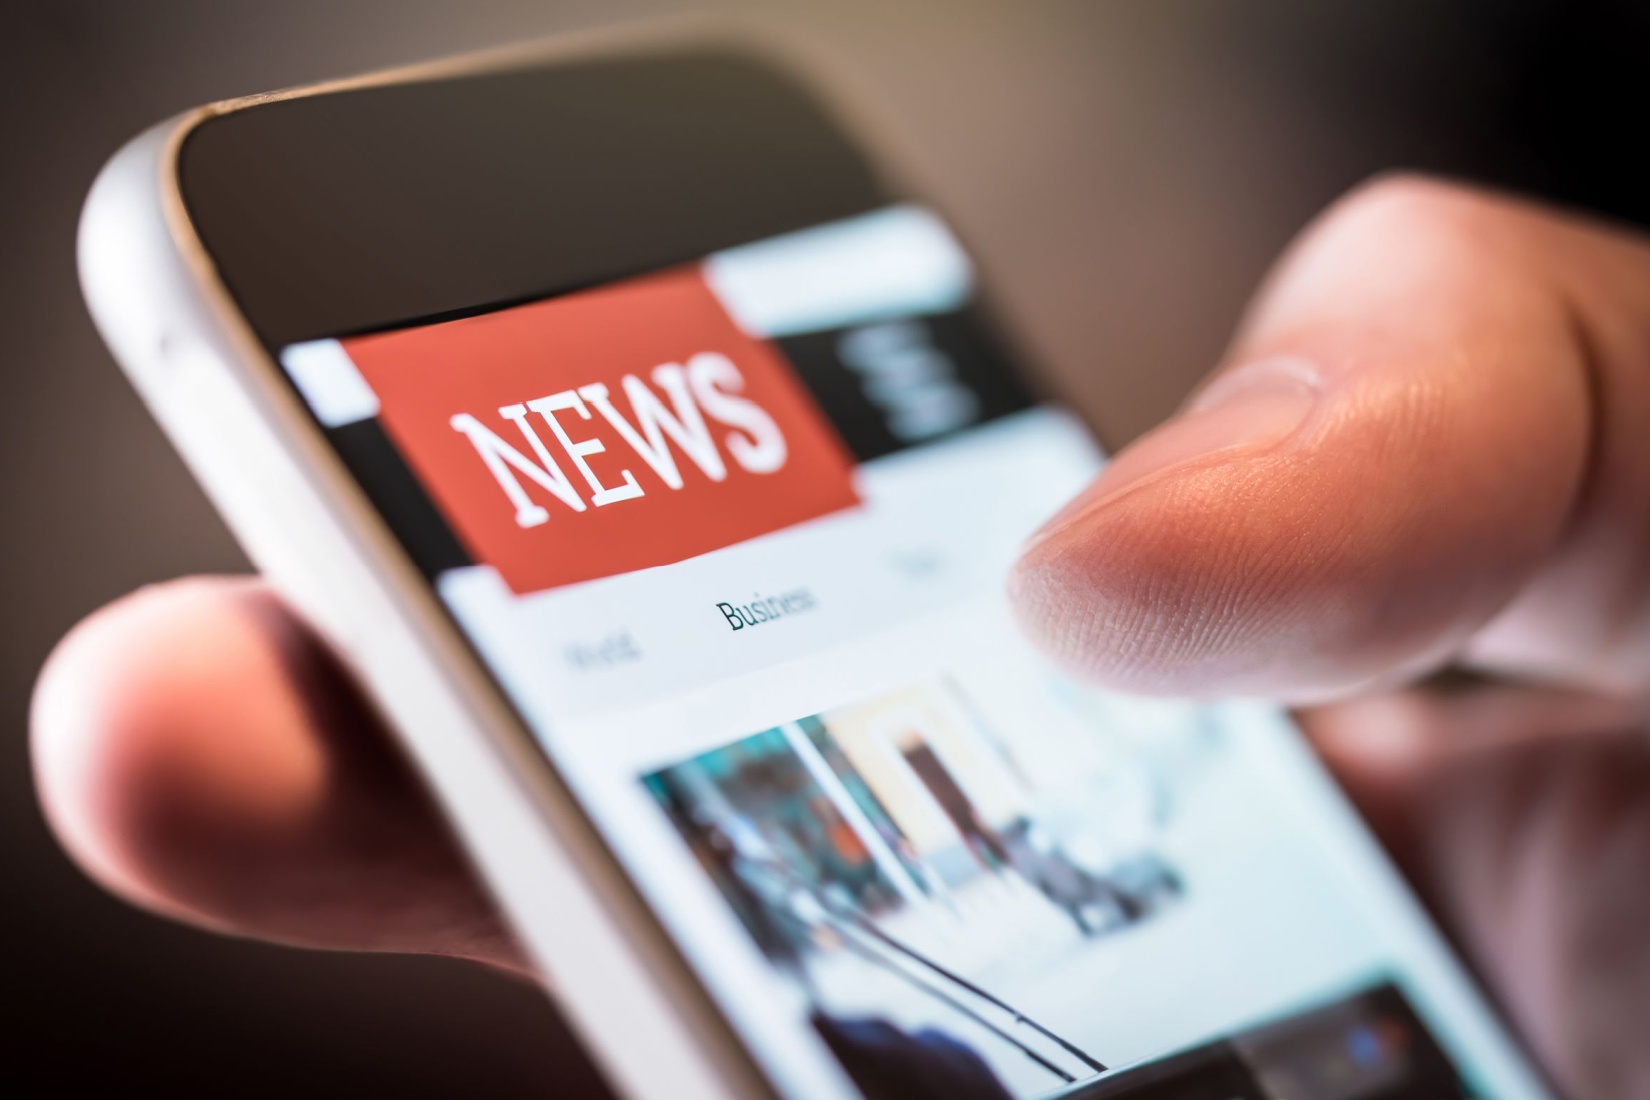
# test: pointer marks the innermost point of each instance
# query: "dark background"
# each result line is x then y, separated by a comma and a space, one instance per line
1125, 169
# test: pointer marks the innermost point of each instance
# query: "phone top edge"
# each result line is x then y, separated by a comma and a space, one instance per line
509, 182
760, 48
635, 37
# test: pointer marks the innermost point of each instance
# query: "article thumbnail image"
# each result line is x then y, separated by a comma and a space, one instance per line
898, 861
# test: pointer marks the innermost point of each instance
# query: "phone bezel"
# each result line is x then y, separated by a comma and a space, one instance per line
380, 205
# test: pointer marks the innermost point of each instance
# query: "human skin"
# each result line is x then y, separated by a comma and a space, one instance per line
1414, 501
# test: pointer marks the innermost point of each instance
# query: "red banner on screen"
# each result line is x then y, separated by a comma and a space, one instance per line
615, 429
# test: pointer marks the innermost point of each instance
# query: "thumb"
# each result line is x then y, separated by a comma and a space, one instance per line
1433, 439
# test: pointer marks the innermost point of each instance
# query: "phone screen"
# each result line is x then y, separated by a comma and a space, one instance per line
732, 537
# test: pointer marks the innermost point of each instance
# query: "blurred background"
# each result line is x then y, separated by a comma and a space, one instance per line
1126, 170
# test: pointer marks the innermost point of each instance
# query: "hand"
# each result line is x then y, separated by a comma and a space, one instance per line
201, 753
1431, 448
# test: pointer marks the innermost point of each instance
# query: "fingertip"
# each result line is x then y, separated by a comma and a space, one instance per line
1398, 457
133, 742
1302, 571
199, 752
1137, 589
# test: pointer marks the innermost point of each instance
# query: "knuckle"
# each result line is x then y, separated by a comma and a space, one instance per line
1401, 205
1403, 241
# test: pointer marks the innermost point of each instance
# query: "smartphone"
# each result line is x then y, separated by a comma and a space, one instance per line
654, 462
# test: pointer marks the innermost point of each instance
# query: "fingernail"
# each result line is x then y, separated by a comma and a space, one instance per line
1252, 408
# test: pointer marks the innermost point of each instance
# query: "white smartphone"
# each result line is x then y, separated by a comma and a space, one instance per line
653, 461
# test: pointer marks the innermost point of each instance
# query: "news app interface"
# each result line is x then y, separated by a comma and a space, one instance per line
732, 536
